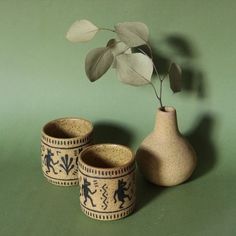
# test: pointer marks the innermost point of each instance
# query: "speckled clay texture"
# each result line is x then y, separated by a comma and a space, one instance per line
107, 181
165, 157
62, 140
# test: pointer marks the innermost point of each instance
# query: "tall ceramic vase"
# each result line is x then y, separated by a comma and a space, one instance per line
165, 157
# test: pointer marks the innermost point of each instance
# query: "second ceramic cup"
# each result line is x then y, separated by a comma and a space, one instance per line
61, 143
107, 181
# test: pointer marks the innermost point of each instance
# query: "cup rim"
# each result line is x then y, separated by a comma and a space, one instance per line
68, 118
132, 160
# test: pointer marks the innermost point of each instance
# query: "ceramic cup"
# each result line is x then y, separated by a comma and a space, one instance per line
107, 181
62, 141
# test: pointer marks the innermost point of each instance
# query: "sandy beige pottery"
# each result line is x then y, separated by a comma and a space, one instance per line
62, 140
165, 157
107, 181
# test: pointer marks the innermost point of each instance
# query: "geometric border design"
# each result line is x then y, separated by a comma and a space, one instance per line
74, 147
62, 183
122, 209
108, 173
103, 173
66, 143
49, 177
108, 216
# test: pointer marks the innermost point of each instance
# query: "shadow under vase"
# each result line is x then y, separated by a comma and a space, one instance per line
201, 139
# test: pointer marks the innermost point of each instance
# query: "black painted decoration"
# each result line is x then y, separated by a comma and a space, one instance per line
67, 163
49, 163
86, 191
120, 192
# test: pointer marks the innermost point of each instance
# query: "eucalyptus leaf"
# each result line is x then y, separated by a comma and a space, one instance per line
111, 43
97, 62
134, 69
81, 31
120, 48
117, 48
175, 75
132, 34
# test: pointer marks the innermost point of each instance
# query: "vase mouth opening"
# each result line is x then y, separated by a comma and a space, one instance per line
167, 109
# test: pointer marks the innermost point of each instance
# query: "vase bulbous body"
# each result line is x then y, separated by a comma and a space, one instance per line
165, 157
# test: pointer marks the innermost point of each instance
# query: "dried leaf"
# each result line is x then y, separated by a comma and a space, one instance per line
97, 62
121, 48
134, 69
111, 43
132, 34
175, 75
117, 48
81, 31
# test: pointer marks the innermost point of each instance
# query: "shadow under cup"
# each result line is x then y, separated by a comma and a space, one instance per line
107, 181
62, 140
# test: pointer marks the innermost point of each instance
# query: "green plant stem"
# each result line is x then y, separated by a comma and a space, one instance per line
152, 62
159, 77
149, 82
156, 92
161, 81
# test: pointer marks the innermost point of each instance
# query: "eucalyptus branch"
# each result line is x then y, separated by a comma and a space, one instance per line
159, 98
154, 66
149, 82
164, 76
155, 91
155, 69
129, 66
159, 77
167, 72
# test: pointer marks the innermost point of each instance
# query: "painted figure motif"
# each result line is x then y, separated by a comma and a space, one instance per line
120, 192
86, 191
49, 163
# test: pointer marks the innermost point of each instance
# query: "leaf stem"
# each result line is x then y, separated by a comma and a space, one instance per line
154, 66
161, 81
150, 82
150, 50
159, 98
159, 77
107, 29
155, 91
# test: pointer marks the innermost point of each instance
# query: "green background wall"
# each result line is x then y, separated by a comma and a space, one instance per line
42, 77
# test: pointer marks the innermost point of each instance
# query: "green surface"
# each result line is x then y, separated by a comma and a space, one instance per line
42, 77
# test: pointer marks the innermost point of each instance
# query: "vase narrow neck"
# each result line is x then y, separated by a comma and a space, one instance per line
166, 122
